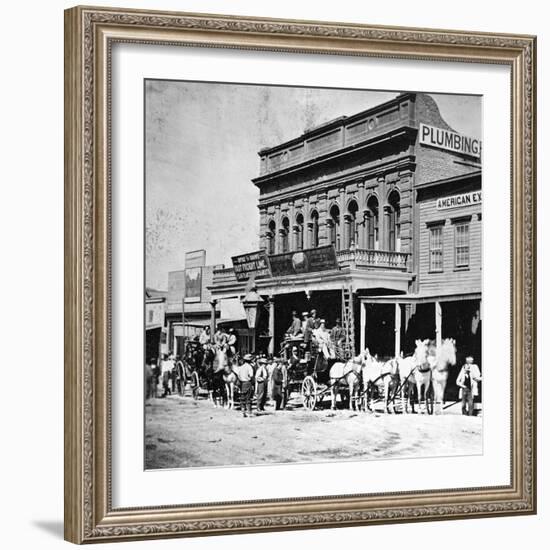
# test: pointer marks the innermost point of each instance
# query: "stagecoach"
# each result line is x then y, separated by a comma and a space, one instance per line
310, 376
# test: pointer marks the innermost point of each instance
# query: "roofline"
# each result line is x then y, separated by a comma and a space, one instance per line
404, 131
334, 123
452, 179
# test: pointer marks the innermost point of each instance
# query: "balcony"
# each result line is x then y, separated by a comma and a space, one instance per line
354, 258
373, 259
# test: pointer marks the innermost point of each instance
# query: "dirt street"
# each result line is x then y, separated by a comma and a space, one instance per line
181, 432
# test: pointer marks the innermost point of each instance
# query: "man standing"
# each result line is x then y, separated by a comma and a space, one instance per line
166, 371
246, 376
314, 319
278, 385
261, 384
308, 325
467, 381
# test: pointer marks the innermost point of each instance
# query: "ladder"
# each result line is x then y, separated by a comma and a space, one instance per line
348, 322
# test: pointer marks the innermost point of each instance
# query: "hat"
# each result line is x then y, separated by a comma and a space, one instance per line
322, 321
305, 313
247, 357
338, 321
313, 311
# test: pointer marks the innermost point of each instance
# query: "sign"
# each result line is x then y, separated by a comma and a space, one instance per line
465, 199
450, 141
193, 284
322, 258
253, 264
195, 258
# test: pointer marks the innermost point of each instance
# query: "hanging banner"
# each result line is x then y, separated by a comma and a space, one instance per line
322, 258
252, 264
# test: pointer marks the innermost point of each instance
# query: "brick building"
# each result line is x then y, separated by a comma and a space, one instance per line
397, 193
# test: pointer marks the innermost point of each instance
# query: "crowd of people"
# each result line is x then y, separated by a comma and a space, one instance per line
259, 377
312, 333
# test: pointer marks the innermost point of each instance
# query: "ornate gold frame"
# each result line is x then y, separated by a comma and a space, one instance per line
89, 34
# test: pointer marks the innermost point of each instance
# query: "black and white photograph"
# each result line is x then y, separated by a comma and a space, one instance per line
313, 274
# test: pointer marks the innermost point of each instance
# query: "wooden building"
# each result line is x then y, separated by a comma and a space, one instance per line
397, 193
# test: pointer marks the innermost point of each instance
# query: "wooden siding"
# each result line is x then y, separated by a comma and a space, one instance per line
451, 279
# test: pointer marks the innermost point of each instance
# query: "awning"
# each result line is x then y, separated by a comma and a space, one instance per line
223, 321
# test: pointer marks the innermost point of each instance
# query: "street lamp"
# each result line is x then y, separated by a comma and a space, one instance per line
251, 303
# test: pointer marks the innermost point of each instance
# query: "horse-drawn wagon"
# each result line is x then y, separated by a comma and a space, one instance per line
308, 372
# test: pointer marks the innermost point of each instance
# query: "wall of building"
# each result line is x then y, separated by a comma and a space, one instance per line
451, 279
154, 313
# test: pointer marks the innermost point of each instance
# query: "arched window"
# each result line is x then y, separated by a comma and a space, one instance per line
272, 234
372, 223
299, 231
394, 222
352, 220
314, 229
284, 235
334, 226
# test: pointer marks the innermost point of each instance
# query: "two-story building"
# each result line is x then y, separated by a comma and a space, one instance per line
396, 193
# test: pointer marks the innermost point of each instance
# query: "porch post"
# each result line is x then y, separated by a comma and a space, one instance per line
271, 305
212, 319
397, 330
363, 331
438, 324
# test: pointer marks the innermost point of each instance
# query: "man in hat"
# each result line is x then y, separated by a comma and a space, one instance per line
468, 381
279, 384
232, 342
308, 326
246, 377
314, 319
261, 384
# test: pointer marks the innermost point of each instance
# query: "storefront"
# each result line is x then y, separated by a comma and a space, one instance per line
395, 195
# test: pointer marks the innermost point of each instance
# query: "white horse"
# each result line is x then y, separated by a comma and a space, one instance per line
221, 369
230, 378
414, 371
440, 359
348, 374
378, 373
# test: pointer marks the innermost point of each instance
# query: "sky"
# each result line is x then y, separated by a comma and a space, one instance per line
201, 145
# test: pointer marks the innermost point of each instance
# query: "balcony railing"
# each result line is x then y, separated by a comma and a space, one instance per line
373, 259
356, 258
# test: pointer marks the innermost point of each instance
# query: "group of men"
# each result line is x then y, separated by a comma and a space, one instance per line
313, 330
260, 377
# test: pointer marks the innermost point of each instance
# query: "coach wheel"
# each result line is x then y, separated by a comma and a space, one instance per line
430, 400
309, 393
